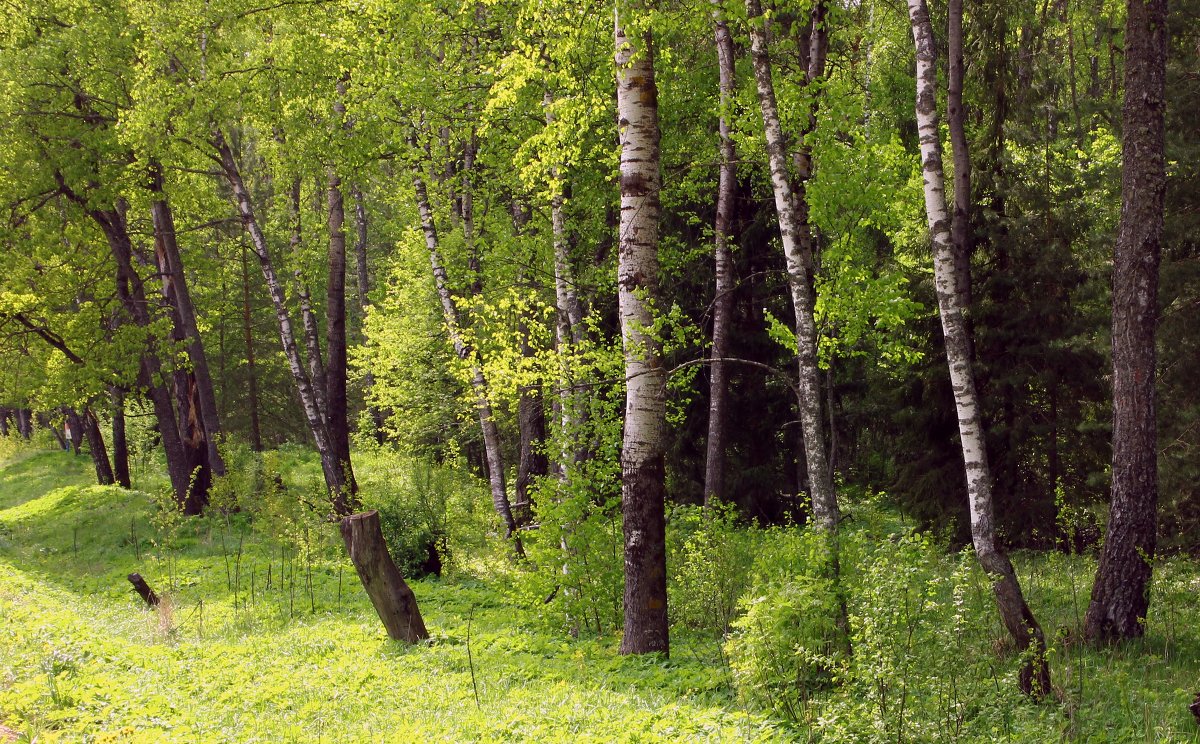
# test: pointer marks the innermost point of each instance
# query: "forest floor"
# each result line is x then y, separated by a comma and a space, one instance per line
227, 659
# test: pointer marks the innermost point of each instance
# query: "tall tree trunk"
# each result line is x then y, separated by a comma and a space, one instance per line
251, 368
190, 493
1014, 612
643, 451
25, 423
718, 396
75, 429
96, 448
176, 289
119, 438
308, 318
304, 387
487, 422
1121, 592
960, 225
337, 406
364, 288
797, 247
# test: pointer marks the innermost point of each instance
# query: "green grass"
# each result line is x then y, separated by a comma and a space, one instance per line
83, 661
228, 659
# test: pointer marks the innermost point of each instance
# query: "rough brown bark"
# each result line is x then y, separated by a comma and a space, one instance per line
96, 448
175, 287
336, 404
143, 589
393, 599
75, 427
120, 440
722, 307
1014, 612
1121, 592
643, 451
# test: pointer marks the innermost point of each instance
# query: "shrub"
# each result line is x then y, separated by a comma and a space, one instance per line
712, 556
787, 644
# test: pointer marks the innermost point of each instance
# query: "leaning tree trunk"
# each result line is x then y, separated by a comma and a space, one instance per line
334, 478
393, 599
99, 453
797, 248
175, 287
1014, 612
960, 225
643, 451
1121, 592
75, 426
718, 396
487, 422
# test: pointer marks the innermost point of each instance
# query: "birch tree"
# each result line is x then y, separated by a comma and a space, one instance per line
1014, 612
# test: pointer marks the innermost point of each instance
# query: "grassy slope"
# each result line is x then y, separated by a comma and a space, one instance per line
81, 660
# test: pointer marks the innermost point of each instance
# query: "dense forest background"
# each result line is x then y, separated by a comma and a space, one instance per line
411, 231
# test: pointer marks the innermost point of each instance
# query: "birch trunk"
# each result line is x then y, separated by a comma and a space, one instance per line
643, 451
312, 329
1014, 612
718, 396
251, 367
1121, 592
287, 337
797, 248
487, 423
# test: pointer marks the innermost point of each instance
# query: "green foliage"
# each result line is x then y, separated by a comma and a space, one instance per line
712, 556
786, 644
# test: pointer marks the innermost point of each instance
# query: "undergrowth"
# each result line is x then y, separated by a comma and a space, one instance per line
265, 634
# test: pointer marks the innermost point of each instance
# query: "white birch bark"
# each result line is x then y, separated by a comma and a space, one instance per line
799, 267
644, 444
1014, 612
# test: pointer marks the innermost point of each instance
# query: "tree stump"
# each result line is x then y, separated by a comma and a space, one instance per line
1195, 708
143, 589
393, 599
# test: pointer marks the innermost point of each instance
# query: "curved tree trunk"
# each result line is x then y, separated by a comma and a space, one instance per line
487, 423
1014, 612
643, 451
334, 478
797, 248
1121, 592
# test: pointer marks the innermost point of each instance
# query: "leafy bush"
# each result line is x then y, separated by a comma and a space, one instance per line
711, 555
787, 645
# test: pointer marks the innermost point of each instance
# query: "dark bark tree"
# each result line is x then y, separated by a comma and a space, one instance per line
336, 402
393, 599
1121, 592
119, 438
175, 288
96, 448
643, 451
